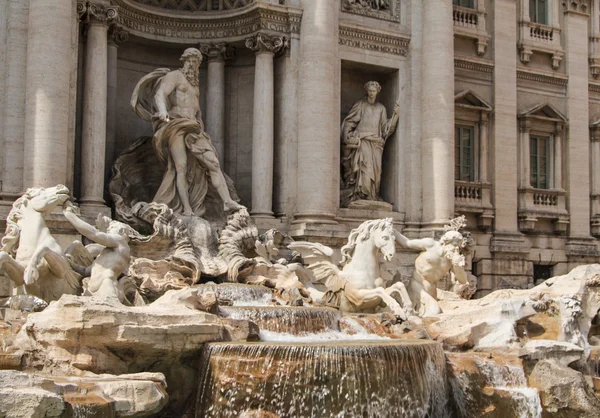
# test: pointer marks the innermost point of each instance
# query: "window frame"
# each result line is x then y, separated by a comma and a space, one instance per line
535, 136
534, 12
474, 128
471, 4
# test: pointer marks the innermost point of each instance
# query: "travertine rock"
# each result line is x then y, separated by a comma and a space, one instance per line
34, 395
561, 352
564, 391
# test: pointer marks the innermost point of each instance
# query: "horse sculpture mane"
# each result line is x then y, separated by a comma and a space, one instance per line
361, 234
13, 232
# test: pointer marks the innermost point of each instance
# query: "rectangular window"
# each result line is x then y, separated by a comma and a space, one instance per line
464, 3
538, 11
539, 150
464, 156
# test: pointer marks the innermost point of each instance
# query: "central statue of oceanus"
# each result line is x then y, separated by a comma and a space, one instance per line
169, 99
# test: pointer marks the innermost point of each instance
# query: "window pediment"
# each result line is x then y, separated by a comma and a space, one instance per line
546, 112
469, 100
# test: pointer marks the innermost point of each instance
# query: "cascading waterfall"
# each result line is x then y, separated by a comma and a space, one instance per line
510, 378
286, 319
239, 294
332, 379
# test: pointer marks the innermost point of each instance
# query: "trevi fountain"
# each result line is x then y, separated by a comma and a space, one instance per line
176, 305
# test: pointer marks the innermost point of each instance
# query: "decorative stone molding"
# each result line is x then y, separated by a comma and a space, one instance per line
217, 51
90, 12
472, 64
546, 78
262, 43
593, 87
196, 6
232, 25
578, 6
373, 41
378, 9
117, 35
540, 37
470, 23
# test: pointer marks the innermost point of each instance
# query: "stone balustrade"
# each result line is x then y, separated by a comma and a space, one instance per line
475, 197
470, 23
536, 204
465, 17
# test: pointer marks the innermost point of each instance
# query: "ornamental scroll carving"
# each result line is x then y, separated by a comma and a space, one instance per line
90, 12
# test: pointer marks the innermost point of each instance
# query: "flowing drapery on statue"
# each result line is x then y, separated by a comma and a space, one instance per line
169, 99
364, 132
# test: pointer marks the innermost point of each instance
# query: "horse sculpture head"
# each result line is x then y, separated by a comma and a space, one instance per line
379, 231
37, 199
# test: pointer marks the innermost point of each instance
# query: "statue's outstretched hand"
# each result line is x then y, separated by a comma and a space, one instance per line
163, 116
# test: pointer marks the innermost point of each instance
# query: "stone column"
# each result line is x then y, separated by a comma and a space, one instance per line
265, 47
505, 142
214, 114
47, 93
595, 138
116, 36
318, 121
15, 79
483, 148
437, 123
576, 59
93, 136
524, 154
558, 158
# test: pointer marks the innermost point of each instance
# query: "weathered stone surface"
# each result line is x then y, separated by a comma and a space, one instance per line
564, 391
491, 322
78, 333
561, 352
32, 395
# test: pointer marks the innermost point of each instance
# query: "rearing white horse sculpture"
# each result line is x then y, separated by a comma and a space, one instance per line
353, 285
30, 255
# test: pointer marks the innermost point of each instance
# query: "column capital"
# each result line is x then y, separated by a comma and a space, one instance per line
92, 12
576, 6
595, 133
263, 43
525, 125
117, 35
217, 51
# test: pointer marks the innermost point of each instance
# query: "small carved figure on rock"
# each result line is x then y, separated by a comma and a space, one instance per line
437, 258
355, 286
364, 132
170, 100
30, 255
112, 255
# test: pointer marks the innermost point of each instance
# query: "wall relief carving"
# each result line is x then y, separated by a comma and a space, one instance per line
144, 22
196, 5
379, 9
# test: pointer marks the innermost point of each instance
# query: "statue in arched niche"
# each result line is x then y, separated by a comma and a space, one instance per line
364, 133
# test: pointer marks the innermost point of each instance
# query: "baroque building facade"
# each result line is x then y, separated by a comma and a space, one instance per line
499, 112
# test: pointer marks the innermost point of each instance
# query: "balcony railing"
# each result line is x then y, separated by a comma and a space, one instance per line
467, 191
470, 23
545, 198
541, 33
465, 17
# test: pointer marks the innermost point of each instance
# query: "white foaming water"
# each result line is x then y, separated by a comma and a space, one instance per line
512, 379
320, 336
265, 300
357, 333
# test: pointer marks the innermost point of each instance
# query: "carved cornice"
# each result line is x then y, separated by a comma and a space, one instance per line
195, 6
373, 41
117, 35
472, 65
263, 43
578, 6
231, 25
90, 12
378, 9
217, 51
546, 78
594, 87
